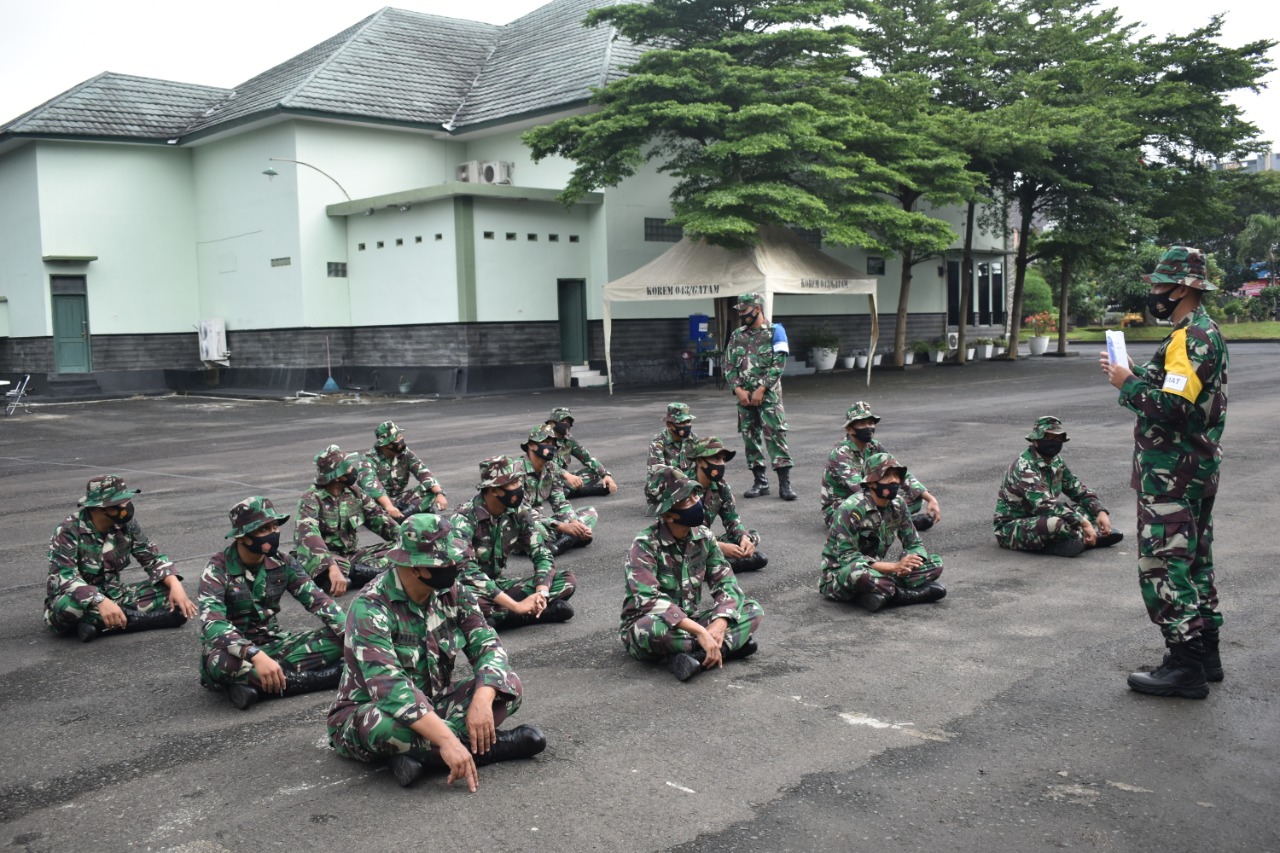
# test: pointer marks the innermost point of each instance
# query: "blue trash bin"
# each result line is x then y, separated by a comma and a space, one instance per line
699, 327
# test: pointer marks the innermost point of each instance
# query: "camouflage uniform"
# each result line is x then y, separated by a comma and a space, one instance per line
592, 471
85, 565
1180, 398
756, 358
544, 490
667, 450
493, 537
399, 655
238, 607
328, 527
664, 578
383, 477
717, 499
1030, 513
847, 467
862, 534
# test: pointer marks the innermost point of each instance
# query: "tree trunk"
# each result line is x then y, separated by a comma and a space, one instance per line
966, 281
1026, 205
1064, 302
904, 292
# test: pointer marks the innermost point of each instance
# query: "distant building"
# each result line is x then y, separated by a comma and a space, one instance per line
1263, 161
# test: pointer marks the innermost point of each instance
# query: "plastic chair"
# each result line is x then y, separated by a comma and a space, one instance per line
14, 398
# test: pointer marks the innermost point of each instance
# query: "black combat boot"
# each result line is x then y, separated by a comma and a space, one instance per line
555, 611
918, 595
871, 601
761, 484
753, 563
563, 542
922, 521
1106, 541
243, 696
361, 575
1072, 546
520, 742
596, 491
685, 665
1212, 660
406, 769
88, 632
1180, 674
310, 681
152, 619
746, 650
558, 610
784, 485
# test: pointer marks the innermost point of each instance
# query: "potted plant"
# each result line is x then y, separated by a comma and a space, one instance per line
916, 349
1041, 325
848, 359
823, 343
939, 350
876, 359
984, 347
860, 360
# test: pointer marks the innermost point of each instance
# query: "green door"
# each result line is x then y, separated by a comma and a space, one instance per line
572, 293
71, 334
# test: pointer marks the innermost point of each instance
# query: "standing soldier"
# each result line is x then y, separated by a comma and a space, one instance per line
754, 360
244, 648
397, 701
847, 464
663, 615
591, 480
330, 515
88, 551
854, 567
1180, 398
739, 545
1030, 512
497, 523
673, 445
385, 475
544, 492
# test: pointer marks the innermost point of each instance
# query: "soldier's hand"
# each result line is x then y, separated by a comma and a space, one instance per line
269, 674
746, 546
576, 529
931, 507
481, 730
757, 396
539, 599
731, 551
609, 484
572, 480
337, 582
710, 649
1090, 534
111, 614
743, 397
1116, 373
394, 512
461, 764
178, 600
1104, 524
440, 502
909, 563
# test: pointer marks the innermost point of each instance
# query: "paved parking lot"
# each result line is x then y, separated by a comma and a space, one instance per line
996, 719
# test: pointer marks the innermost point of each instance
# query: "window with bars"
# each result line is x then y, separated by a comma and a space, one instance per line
660, 231
337, 269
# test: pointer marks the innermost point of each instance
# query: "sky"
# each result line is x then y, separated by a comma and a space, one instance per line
49, 46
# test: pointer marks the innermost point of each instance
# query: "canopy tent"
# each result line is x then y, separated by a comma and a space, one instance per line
782, 262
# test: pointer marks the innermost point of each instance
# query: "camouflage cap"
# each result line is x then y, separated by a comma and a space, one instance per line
428, 540
748, 300
252, 513
666, 486
107, 490
332, 463
711, 446
880, 464
1046, 424
678, 413
860, 411
538, 435
386, 433
1181, 265
561, 414
497, 472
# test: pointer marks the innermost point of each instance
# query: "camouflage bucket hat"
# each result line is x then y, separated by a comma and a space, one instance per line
386, 433
428, 540
711, 446
252, 513
880, 464
107, 490
666, 486
332, 463
540, 434
1181, 265
561, 414
498, 472
748, 300
678, 413
1046, 424
860, 411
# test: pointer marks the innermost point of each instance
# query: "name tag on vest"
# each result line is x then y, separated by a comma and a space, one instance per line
1174, 382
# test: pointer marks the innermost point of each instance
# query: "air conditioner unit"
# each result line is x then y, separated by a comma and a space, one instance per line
213, 342
953, 340
469, 172
496, 172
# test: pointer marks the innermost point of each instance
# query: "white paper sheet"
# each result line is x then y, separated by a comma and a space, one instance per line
1116, 351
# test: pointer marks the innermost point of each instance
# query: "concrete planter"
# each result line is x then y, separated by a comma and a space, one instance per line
824, 359
1038, 344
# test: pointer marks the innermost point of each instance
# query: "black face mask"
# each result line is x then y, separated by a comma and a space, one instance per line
681, 431
268, 544
348, 481
748, 318
715, 472
1048, 448
124, 512
561, 428
398, 448
512, 499
545, 451
1161, 306
442, 577
694, 516
864, 434
886, 491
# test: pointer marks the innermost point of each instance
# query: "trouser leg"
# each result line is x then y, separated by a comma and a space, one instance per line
1175, 569
1035, 533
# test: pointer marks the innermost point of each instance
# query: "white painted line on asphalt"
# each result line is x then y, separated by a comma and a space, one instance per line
864, 720
682, 788
1134, 789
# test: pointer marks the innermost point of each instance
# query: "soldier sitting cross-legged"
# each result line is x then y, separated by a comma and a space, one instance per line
673, 445
385, 472
591, 480
737, 543
544, 492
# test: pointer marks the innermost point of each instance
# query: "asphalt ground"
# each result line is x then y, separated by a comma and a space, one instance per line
995, 719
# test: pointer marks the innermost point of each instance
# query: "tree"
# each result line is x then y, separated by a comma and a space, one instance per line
1260, 241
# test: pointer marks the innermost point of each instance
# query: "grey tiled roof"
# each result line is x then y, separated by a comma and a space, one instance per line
394, 66
119, 105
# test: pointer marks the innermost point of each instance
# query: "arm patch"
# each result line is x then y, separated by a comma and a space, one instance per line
1180, 374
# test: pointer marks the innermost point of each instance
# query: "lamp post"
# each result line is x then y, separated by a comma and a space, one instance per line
271, 173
